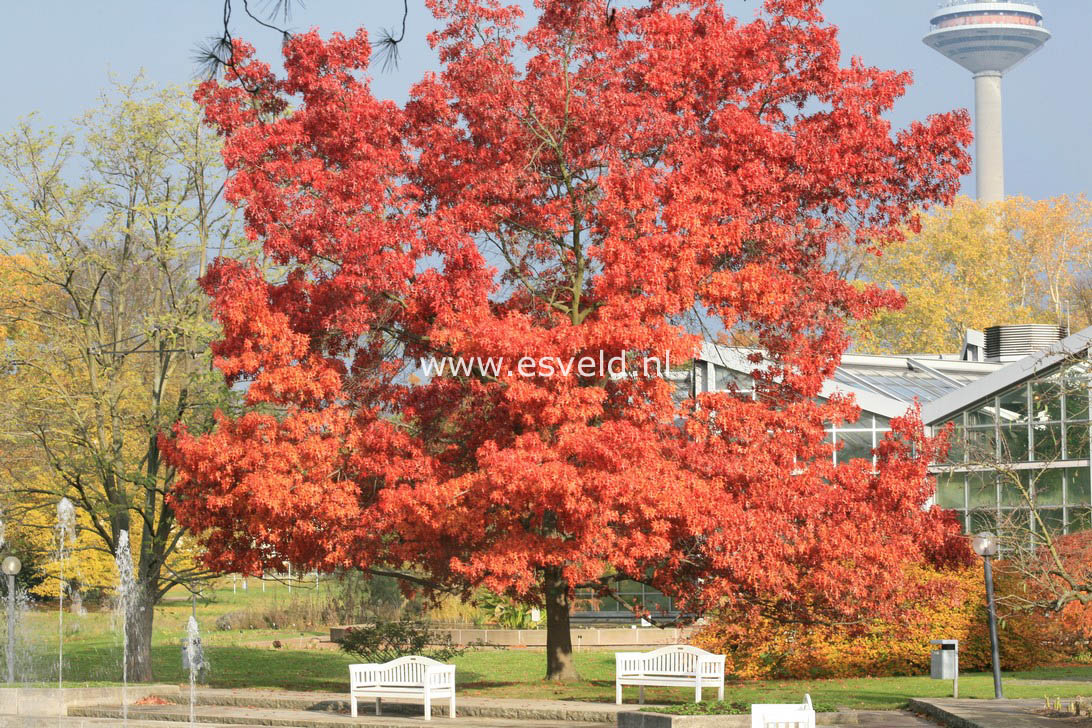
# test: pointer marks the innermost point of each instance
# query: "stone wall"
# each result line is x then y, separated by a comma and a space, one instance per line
582, 637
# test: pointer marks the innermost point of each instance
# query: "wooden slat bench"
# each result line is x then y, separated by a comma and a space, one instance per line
406, 677
779, 715
673, 666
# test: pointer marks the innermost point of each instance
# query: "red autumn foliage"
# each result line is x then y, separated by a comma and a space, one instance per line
151, 700
587, 186
1050, 586
1056, 574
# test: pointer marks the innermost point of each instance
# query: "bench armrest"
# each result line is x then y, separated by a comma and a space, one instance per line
440, 676
713, 665
364, 674
628, 662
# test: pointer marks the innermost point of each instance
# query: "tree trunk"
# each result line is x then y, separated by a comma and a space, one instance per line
138, 631
559, 641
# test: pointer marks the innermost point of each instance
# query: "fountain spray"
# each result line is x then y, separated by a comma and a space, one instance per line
195, 661
66, 539
123, 558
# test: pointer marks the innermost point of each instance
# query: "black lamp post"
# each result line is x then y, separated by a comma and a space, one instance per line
985, 545
11, 566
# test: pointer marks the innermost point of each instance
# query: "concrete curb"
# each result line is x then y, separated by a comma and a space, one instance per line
37, 721
641, 719
274, 718
467, 708
51, 702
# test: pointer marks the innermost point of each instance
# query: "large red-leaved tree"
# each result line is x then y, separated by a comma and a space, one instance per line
588, 186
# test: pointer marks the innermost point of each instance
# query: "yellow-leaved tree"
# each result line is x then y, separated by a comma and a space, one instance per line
974, 265
104, 231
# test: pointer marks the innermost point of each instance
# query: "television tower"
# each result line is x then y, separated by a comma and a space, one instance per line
987, 38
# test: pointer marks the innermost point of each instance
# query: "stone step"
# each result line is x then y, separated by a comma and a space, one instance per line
39, 721
338, 703
230, 715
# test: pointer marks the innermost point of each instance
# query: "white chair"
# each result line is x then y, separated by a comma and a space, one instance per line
782, 715
406, 677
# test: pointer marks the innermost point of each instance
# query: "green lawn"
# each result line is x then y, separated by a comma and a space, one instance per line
93, 651
517, 674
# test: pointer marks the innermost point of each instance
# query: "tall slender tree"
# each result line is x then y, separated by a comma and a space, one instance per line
105, 230
575, 190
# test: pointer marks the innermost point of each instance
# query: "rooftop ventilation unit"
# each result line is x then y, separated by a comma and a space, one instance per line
1009, 343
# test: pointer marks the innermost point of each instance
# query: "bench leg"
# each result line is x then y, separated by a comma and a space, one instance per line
379, 706
451, 705
720, 691
697, 691
641, 695
352, 705
428, 706
617, 692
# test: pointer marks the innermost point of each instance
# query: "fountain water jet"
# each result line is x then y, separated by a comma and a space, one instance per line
195, 661
66, 538
123, 558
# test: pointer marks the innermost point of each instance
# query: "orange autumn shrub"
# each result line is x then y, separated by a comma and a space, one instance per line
1070, 629
1074, 629
948, 605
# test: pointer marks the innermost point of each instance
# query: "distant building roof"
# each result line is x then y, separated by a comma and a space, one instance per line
886, 385
1006, 376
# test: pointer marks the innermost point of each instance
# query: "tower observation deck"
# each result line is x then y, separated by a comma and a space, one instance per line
987, 38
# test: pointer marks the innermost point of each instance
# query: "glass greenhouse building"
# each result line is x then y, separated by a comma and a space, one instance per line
1020, 445
1016, 399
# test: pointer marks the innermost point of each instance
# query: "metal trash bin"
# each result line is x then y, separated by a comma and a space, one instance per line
944, 663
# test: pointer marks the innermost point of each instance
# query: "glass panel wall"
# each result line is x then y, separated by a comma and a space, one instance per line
858, 439
1025, 446
725, 379
851, 439
630, 596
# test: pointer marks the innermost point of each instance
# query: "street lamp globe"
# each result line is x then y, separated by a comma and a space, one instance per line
984, 544
11, 566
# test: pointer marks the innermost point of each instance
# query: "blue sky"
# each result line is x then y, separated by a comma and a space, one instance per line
60, 53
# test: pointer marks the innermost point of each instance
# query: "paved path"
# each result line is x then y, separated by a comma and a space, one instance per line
994, 714
219, 715
507, 708
559, 712
281, 709
219, 708
869, 719
286, 718
893, 719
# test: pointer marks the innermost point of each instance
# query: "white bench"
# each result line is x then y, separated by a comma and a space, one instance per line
674, 666
406, 677
775, 715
